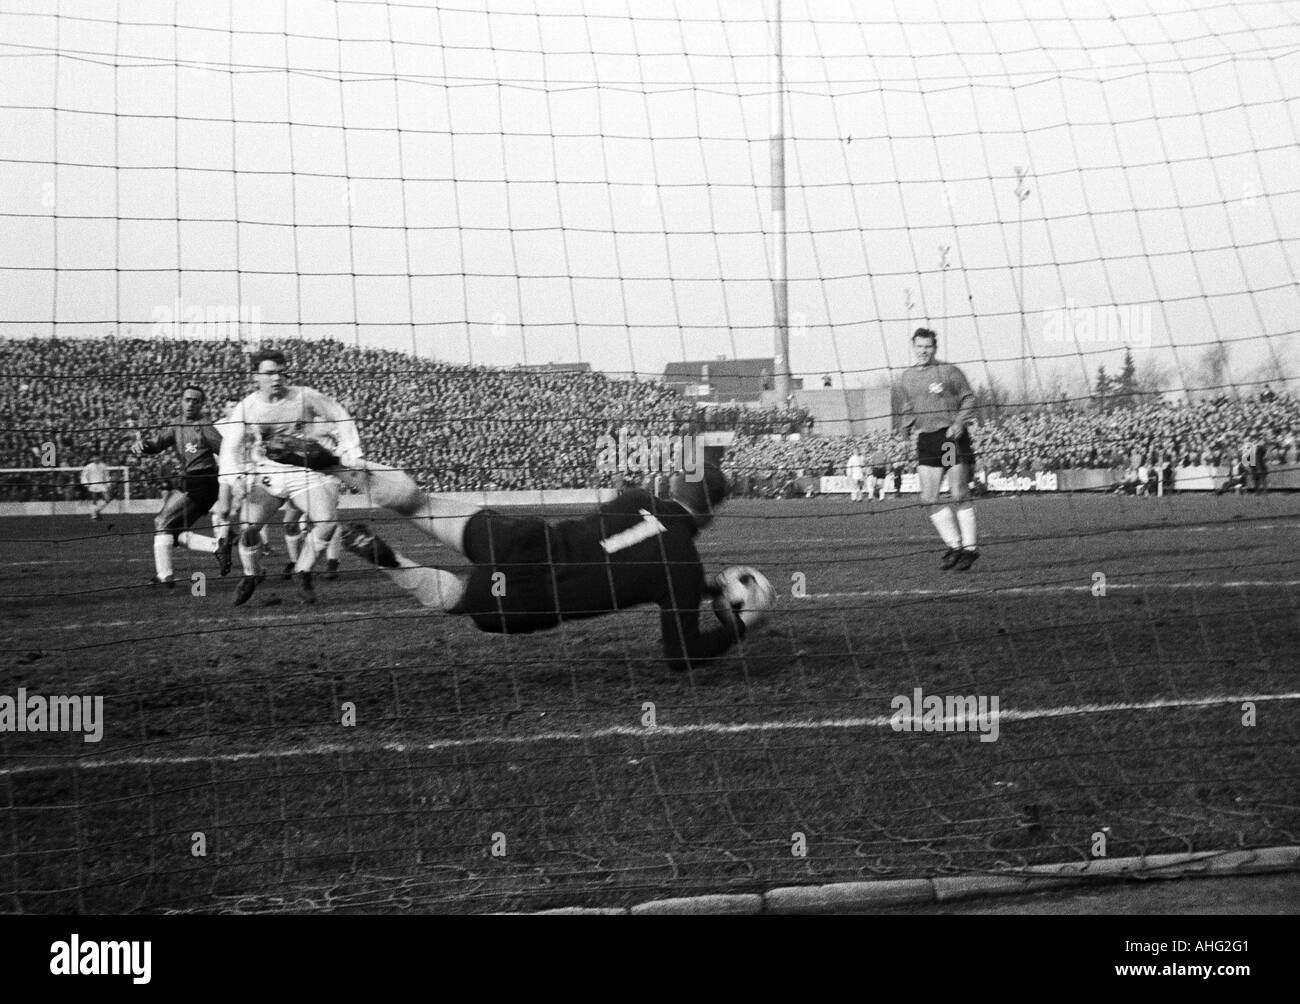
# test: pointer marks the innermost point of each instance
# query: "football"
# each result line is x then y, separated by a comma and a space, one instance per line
744, 592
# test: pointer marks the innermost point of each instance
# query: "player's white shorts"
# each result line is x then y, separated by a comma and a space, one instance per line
285, 481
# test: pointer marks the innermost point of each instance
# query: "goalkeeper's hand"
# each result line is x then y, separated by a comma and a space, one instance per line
298, 451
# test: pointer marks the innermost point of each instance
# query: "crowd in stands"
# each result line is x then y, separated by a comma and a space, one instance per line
470, 428
454, 427
1201, 434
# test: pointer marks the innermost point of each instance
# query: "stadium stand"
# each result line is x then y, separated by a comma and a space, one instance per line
437, 420
1205, 434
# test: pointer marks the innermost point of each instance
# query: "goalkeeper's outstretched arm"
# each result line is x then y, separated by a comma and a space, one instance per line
685, 644
345, 429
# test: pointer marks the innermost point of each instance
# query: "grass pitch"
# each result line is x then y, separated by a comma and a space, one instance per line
1127, 641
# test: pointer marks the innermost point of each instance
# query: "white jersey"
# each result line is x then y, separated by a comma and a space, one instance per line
95, 477
301, 411
855, 466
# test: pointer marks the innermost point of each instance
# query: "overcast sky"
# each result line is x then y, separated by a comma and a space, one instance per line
563, 181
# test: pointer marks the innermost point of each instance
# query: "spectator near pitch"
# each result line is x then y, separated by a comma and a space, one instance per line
855, 468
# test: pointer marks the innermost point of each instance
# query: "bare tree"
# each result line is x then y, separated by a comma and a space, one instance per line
1212, 371
991, 400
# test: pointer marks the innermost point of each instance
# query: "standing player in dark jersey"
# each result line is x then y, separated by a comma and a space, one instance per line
939, 403
529, 575
197, 445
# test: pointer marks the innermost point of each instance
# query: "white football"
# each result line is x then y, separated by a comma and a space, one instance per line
746, 593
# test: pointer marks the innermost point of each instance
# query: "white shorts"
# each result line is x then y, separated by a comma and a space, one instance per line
287, 482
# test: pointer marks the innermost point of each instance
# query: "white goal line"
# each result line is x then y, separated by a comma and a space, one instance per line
628, 732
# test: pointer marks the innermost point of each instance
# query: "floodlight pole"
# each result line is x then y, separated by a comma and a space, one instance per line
1022, 193
780, 249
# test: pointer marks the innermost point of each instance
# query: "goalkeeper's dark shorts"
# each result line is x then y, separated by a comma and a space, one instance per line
932, 449
509, 589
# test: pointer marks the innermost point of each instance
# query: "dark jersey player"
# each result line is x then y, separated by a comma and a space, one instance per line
197, 445
938, 404
529, 574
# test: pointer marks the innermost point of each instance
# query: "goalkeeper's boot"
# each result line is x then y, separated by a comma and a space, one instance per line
223, 555
247, 586
169, 582
968, 557
287, 574
365, 545
332, 569
306, 590
950, 558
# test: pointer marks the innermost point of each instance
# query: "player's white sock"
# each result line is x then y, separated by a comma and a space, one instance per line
312, 545
433, 587
162, 554
293, 545
335, 547
248, 557
197, 542
946, 523
966, 520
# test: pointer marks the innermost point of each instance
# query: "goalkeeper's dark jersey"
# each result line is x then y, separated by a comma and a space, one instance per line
530, 575
197, 444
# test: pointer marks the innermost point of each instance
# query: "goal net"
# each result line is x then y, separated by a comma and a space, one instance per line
506, 236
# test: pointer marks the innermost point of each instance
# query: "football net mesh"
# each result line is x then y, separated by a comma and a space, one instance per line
415, 200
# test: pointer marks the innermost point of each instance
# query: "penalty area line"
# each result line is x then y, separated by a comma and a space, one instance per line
629, 732
1120, 586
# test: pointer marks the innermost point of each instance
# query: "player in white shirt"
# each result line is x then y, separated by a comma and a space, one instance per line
287, 442
96, 480
856, 471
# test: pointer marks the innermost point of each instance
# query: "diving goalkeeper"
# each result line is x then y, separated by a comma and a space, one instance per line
529, 575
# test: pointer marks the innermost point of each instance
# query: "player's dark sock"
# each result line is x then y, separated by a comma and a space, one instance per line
224, 556
360, 541
950, 558
968, 557
287, 574
245, 589
332, 569
306, 590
